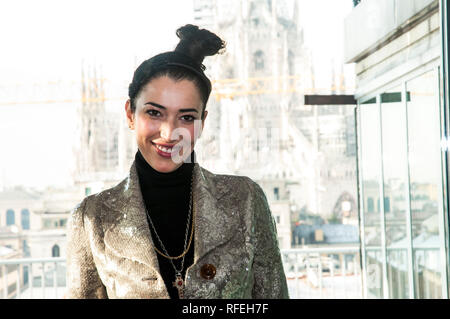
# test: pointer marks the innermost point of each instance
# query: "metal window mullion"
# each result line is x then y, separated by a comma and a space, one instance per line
5, 281
360, 191
444, 27
319, 273
442, 207
410, 255
333, 279
18, 281
381, 194
55, 279
43, 280
297, 275
30, 279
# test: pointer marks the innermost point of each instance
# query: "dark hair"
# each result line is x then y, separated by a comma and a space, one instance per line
185, 62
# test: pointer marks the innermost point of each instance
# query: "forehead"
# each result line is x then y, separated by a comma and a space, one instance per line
171, 93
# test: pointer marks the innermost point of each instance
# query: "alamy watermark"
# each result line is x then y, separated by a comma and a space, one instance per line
373, 276
255, 144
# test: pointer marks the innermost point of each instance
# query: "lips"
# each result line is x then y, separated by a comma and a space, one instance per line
164, 150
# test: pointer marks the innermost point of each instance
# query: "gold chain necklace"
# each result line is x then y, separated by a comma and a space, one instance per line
179, 282
166, 255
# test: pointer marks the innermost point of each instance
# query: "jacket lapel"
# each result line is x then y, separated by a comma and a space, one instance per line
213, 221
129, 236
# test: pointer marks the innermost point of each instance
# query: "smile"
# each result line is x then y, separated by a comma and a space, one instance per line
164, 149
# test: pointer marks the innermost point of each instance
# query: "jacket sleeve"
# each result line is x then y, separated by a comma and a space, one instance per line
83, 281
269, 277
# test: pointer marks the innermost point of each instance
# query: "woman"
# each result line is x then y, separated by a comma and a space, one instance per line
172, 229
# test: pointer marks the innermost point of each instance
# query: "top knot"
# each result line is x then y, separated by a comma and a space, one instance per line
198, 43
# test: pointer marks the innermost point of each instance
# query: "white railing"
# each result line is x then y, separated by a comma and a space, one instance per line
312, 273
323, 273
33, 278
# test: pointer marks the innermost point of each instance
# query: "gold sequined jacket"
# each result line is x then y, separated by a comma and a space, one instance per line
110, 254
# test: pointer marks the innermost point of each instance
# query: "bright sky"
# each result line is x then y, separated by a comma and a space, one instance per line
324, 35
46, 40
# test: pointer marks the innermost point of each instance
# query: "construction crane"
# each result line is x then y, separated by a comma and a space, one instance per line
72, 91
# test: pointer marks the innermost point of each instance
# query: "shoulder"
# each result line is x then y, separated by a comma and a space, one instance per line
90, 204
109, 193
235, 184
224, 178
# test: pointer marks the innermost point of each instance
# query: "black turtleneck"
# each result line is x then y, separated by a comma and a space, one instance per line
166, 197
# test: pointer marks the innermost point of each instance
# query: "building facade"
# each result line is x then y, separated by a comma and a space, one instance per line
258, 125
397, 50
33, 226
106, 145
9, 273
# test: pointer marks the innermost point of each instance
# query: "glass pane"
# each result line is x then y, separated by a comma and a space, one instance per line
374, 271
427, 273
425, 178
393, 115
370, 172
25, 219
397, 271
393, 123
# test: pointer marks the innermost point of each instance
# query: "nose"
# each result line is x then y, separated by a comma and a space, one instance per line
165, 131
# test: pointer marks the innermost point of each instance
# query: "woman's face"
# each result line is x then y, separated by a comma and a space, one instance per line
167, 121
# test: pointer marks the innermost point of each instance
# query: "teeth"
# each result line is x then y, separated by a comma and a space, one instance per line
164, 149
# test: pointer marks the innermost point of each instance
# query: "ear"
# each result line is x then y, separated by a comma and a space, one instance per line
204, 118
129, 114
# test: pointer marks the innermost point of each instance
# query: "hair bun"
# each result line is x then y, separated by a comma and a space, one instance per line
198, 43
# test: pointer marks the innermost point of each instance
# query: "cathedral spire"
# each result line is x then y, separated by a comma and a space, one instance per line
296, 16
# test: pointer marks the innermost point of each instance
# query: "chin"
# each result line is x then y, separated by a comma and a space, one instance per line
160, 164
163, 165
166, 168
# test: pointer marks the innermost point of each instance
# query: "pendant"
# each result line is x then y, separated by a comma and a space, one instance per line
179, 284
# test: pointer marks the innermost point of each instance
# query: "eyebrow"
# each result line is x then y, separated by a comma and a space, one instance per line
164, 108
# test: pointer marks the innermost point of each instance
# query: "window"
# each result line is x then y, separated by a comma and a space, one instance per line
55, 251
387, 205
370, 205
25, 219
426, 174
258, 58
25, 275
393, 127
25, 249
10, 217
403, 163
276, 193
370, 143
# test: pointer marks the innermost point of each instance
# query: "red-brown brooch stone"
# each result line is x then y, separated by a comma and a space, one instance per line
208, 271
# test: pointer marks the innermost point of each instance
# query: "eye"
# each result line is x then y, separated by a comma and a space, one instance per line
188, 118
153, 113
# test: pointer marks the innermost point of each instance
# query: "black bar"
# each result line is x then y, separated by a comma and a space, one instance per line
329, 99
394, 97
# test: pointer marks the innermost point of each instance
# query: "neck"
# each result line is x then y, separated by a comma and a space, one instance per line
148, 176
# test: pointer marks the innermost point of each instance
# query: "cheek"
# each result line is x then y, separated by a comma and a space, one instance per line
145, 126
